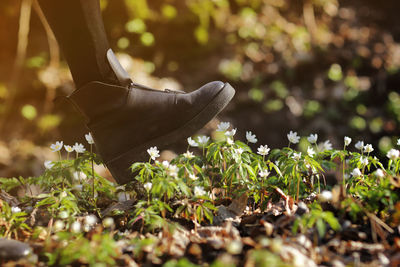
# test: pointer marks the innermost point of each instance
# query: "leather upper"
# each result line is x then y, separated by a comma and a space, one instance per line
122, 118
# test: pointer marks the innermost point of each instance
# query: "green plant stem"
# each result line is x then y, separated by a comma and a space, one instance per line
91, 158
298, 185
343, 172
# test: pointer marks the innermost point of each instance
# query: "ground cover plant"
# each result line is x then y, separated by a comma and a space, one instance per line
217, 204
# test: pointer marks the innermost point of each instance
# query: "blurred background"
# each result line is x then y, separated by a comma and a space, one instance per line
314, 66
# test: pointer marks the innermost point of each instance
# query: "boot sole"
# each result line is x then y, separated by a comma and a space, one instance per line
119, 166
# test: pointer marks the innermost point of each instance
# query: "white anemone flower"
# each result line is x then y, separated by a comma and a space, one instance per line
310, 151
76, 227
148, 186
153, 152
192, 143
165, 164
230, 133
63, 194
173, 170
48, 164
199, 191
263, 173
327, 145
368, 148
79, 148
63, 214
263, 150
398, 142
79, 176
58, 225
69, 149
347, 140
379, 173
193, 177
356, 172
229, 141
223, 126
188, 155
296, 156
57, 146
364, 161
203, 140
15, 209
359, 145
393, 154
89, 138
90, 219
251, 138
293, 137
312, 138
108, 222
325, 196
239, 151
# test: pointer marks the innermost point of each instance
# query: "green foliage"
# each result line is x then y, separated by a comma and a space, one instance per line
188, 188
102, 248
11, 221
316, 218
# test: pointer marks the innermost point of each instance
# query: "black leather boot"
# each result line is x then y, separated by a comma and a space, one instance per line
128, 119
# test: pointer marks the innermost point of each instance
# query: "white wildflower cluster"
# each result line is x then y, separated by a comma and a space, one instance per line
310, 152
223, 126
188, 155
347, 141
69, 149
359, 145
327, 145
202, 140
312, 138
263, 150
368, 148
293, 137
58, 225
296, 156
380, 173
77, 147
57, 146
15, 209
192, 143
48, 164
263, 173
173, 170
193, 176
356, 172
393, 154
108, 222
89, 138
199, 191
364, 161
153, 152
89, 222
148, 186
76, 227
250, 137
325, 196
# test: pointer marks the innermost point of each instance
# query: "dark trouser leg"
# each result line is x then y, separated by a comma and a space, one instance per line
78, 27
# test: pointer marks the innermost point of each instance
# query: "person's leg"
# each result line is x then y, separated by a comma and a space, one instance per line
78, 27
124, 118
